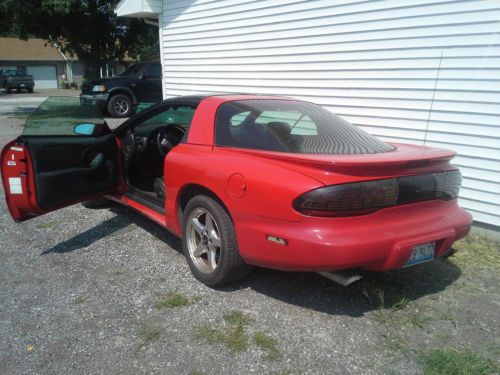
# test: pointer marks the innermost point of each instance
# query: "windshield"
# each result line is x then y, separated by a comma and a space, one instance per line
132, 71
293, 127
58, 115
12, 73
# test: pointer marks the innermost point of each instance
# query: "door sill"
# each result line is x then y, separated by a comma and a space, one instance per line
146, 199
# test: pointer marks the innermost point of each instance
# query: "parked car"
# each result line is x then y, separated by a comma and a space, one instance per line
16, 79
119, 96
247, 180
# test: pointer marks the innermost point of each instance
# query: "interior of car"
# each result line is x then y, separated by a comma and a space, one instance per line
145, 146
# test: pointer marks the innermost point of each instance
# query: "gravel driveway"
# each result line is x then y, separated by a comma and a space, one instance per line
109, 292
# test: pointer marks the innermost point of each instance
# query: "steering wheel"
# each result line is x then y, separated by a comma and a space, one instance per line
168, 137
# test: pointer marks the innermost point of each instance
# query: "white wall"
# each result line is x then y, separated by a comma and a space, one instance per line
376, 63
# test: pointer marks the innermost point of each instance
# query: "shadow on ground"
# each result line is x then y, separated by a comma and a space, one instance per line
308, 290
20, 112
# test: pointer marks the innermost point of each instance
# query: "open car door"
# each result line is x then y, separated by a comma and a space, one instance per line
66, 155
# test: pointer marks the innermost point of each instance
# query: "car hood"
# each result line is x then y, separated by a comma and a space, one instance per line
87, 86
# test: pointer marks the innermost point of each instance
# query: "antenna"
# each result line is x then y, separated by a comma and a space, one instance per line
433, 96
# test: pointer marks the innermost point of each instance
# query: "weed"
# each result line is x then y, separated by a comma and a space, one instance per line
237, 318
477, 252
80, 300
268, 344
452, 362
401, 318
494, 348
234, 337
172, 300
401, 304
149, 334
46, 225
395, 345
417, 319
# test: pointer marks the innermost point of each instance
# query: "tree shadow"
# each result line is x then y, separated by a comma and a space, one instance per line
21, 112
308, 290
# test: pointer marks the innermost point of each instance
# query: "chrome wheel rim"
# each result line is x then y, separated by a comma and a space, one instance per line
203, 241
121, 106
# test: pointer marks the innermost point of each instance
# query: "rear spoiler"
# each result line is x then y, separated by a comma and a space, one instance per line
403, 156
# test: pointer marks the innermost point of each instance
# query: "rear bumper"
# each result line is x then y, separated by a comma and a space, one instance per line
100, 100
19, 85
379, 241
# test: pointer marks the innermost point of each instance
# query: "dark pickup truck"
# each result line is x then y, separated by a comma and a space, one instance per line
120, 95
16, 79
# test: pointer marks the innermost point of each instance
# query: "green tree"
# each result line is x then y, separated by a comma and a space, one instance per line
88, 29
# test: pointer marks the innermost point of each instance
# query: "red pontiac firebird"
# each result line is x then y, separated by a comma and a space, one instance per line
249, 180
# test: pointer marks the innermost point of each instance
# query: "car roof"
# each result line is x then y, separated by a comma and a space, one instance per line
197, 98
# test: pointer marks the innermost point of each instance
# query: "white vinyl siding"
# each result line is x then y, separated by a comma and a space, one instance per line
382, 65
139, 8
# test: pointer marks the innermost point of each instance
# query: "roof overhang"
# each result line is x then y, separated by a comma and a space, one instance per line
139, 8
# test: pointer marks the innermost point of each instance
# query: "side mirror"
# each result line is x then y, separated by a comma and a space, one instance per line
84, 129
145, 75
92, 130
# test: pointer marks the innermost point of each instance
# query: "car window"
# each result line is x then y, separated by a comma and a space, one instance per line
291, 126
179, 115
58, 115
304, 126
13, 73
132, 70
154, 71
238, 118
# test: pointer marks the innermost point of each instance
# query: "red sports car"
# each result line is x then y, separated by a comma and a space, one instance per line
247, 180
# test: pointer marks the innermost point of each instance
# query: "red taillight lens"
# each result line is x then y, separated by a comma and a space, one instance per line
361, 198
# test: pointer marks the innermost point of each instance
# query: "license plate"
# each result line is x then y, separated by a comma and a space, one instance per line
421, 253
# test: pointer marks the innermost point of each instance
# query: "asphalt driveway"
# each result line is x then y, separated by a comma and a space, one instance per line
109, 292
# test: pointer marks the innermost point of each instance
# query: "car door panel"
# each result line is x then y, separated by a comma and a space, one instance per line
44, 173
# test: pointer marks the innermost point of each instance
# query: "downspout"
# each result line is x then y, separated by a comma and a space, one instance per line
69, 66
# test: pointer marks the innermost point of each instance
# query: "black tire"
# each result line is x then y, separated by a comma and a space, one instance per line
8, 90
230, 266
96, 203
119, 106
30, 90
18, 90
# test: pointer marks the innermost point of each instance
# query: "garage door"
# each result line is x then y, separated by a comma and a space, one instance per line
45, 76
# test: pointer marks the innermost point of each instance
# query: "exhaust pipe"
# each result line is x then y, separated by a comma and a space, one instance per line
451, 251
344, 277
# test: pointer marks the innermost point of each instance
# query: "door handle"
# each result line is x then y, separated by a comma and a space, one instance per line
96, 161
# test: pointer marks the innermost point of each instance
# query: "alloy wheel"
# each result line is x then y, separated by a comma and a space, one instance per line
203, 241
120, 106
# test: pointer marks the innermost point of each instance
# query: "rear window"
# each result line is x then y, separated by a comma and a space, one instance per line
291, 126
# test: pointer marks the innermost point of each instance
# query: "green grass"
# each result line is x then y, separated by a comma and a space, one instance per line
172, 300
46, 225
268, 344
233, 337
149, 334
477, 252
237, 318
452, 362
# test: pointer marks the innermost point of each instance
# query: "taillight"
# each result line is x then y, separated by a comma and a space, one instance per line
361, 198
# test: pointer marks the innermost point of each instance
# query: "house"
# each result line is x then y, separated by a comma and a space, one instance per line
46, 63
419, 71
49, 66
